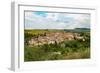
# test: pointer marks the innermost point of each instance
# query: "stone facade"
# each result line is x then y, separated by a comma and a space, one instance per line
52, 37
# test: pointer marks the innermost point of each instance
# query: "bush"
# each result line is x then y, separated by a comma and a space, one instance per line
73, 49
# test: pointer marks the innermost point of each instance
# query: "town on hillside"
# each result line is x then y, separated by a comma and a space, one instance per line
54, 37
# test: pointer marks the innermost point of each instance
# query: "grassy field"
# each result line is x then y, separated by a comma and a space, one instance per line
72, 49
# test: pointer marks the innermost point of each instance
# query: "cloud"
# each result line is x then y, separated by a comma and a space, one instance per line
46, 20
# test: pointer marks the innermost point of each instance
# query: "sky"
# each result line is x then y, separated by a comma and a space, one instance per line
52, 20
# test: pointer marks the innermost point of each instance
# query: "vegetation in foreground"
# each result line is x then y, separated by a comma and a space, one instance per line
68, 49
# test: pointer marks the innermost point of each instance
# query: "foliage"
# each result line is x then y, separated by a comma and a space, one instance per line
73, 49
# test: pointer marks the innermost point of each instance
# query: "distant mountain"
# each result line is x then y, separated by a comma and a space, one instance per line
78, 30
82, 28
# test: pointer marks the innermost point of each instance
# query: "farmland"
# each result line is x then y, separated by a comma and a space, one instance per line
43, 45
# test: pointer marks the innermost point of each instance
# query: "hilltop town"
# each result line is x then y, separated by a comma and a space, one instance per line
54, 37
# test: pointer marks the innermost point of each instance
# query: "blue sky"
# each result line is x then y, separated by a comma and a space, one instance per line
50, 20
41, 13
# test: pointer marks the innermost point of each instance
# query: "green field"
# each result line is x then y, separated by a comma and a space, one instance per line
65, 50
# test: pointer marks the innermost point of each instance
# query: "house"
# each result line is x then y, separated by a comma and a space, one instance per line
52, 37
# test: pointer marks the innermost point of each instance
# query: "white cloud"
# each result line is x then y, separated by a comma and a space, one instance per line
53, 16
56, 21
